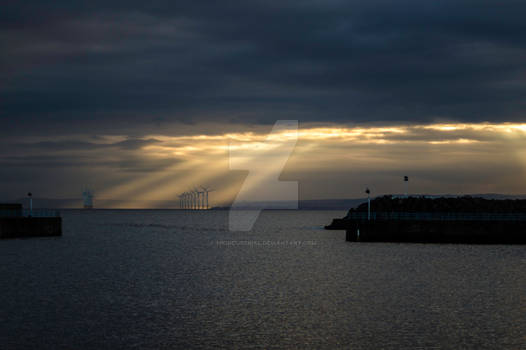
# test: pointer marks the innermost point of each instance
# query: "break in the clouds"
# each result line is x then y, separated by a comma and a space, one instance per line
107, 64
327, 162
139, 99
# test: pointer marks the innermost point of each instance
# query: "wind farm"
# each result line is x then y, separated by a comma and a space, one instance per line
196, 198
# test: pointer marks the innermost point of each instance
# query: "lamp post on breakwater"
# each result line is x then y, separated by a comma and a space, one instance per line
368, 203
30, 195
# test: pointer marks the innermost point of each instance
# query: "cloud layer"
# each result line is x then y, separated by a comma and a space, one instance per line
139, 98
256, 62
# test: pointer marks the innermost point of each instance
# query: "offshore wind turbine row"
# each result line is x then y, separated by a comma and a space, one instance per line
195, 199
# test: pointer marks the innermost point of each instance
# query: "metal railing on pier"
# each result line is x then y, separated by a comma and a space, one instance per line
438, 216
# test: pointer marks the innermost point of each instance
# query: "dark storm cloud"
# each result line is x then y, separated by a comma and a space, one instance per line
255, 61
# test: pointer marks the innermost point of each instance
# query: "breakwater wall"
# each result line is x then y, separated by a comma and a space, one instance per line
21, 227
433, 228
475, 232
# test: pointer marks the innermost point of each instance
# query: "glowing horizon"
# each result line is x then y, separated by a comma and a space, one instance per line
329, 161
204, 157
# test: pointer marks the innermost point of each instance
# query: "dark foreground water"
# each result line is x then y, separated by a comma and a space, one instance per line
181, 280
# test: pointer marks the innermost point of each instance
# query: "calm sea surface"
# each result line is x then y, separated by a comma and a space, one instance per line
180, 280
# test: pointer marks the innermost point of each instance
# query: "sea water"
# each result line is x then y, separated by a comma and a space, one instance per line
168, 279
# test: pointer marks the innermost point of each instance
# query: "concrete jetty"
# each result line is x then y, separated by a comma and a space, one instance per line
441, 220
15, 222
436, 231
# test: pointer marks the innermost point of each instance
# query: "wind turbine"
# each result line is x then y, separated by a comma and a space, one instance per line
181, 200
200, 198
206, 190
195, 199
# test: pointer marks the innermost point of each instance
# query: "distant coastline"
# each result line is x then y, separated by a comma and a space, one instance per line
308, 204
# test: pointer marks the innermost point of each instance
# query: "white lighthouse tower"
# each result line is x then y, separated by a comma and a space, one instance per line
87, 195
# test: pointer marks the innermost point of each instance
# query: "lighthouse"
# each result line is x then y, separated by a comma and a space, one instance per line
87, 195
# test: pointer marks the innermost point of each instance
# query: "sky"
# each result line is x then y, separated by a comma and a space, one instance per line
144, 100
